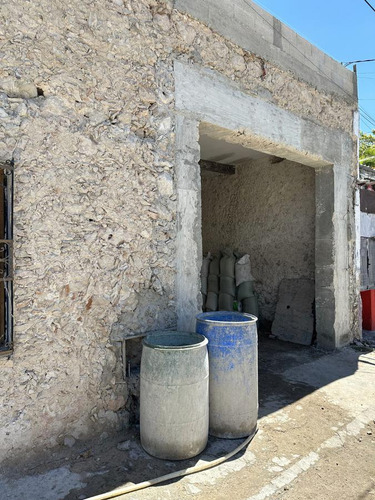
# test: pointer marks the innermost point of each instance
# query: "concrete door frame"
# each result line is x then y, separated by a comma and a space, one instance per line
205, 98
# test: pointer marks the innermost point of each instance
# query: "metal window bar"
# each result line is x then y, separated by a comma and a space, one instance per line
6, 257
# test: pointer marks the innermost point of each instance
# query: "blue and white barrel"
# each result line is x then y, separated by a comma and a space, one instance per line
233, 360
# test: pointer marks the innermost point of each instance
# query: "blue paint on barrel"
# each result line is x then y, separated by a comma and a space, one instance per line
233, 359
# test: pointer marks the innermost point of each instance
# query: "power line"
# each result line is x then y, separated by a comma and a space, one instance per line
359, 61
369, 124
369, 117
365, 116
371, 7
354, 101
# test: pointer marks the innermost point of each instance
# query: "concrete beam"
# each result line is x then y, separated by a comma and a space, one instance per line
219, 168
255, 30
257, 124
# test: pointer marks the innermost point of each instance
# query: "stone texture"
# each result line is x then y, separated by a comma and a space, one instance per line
268, 211
294, 317
95, 194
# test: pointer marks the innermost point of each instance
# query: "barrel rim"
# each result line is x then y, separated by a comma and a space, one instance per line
204, 318
147, 341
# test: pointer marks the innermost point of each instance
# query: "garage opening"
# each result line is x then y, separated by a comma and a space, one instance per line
262, 206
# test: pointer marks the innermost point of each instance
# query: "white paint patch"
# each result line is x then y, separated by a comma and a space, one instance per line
280, 417
211, 476
275, 468
282, 461
192, 490
289, 475
52, 485
367, 225
333, 442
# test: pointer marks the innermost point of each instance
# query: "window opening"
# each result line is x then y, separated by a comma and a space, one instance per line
6, 256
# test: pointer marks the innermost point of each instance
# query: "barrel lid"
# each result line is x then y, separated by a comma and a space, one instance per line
228, 317
167, 339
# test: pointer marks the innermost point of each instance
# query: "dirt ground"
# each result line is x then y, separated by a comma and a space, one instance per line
316, 440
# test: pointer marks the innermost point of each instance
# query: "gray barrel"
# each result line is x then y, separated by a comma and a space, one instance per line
233, 356
174, 395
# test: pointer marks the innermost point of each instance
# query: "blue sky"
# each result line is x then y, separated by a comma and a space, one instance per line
344, 29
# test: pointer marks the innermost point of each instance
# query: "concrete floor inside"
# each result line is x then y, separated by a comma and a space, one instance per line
316, 440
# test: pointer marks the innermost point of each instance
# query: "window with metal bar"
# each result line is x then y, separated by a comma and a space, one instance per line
6, 257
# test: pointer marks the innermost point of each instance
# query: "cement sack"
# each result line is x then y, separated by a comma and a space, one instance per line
215, 266
206, 265
245, 290
250, 305
213, 284
243, 270
227, 263
204, 285
211, 301
204, 298
225, 302
227, 285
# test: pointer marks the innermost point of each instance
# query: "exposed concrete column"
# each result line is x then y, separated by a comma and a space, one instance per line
346, 291
189, 221
333, 257
324, 257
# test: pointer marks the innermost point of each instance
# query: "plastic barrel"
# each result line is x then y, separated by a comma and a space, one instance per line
174, 395
233, 357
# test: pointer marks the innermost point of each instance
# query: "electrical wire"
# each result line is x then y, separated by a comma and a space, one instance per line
358, 61
368, 117
354, 101
369, 123
371, 7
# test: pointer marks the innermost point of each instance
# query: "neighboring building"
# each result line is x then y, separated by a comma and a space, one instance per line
105, 111
366, 184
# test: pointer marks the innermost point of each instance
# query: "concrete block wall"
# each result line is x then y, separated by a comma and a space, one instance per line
248, 25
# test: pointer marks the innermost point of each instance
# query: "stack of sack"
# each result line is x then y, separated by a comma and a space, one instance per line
227, 293
227, 283
204, 278
212, 300
245, 286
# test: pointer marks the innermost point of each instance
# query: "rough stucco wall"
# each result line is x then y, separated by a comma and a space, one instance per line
95, 200
268, 211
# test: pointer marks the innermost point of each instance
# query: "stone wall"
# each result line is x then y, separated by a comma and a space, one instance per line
268, 211
87, 114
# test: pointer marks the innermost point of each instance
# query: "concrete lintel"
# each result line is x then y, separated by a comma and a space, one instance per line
220, 168
210, 97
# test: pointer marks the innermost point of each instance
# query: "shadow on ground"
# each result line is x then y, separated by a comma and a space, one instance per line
287, 373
